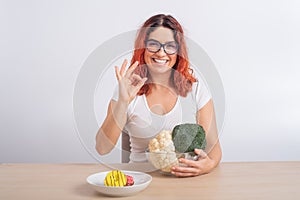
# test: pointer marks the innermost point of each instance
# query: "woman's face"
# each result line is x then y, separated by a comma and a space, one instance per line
160, 62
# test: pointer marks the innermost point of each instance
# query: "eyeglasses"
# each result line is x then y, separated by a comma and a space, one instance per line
154, 46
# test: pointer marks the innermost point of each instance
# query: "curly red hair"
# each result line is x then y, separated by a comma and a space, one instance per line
182, 75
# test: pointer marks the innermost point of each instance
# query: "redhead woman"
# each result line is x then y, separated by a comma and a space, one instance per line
151, 95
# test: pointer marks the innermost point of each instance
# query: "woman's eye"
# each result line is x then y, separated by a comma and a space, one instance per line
172, 45
153, 44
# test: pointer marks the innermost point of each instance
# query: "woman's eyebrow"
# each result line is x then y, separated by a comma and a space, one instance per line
160, 42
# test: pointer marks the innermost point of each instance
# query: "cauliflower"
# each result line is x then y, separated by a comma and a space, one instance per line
162, 151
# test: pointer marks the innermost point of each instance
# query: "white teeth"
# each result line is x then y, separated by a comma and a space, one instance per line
160, 61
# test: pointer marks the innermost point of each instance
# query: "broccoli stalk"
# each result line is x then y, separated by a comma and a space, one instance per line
187, 137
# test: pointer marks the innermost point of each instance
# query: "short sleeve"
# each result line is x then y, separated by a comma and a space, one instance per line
201, 93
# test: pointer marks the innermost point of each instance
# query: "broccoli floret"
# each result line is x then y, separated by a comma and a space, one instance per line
187, 137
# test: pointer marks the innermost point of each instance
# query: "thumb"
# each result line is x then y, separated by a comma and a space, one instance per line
200, 153
140, 84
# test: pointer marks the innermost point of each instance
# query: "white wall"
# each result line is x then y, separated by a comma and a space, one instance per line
43, 44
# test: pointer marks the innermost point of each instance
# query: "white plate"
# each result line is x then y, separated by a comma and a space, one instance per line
141, 181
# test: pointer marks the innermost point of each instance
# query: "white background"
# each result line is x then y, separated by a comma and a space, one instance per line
255, 46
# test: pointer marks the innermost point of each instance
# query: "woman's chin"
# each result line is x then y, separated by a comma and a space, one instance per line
159, 68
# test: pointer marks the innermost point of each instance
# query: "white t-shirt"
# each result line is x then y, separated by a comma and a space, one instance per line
143, 125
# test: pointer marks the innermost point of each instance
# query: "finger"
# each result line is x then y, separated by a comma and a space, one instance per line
135, 79
139, 85
131, 69
183, 174
200, 153
190, 163
117, 73
184, 171
123, 67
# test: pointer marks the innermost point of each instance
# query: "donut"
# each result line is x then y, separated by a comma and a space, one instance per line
116, 178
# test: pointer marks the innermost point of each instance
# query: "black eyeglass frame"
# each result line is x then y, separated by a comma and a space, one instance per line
162, 45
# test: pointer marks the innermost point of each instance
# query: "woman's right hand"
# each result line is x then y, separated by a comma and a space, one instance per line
129, 82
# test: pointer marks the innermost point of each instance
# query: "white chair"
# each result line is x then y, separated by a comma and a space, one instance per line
125, 145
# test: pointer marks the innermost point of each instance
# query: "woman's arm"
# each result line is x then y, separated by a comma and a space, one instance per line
108, 134
212, 155
129, 84
207, 119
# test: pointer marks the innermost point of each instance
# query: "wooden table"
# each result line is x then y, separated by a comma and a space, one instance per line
256, 180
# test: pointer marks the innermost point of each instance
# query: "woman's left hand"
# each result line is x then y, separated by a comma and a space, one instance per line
194, 168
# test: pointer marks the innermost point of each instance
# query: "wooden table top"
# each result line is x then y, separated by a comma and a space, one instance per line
241, 180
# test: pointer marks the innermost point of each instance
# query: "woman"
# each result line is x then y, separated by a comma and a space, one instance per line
150, 96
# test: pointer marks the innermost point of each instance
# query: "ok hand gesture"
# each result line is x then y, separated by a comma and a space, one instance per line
129, 82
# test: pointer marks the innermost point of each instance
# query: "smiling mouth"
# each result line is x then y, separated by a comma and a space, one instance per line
160, 61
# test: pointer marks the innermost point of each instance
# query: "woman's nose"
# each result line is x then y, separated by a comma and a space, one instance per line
161, 52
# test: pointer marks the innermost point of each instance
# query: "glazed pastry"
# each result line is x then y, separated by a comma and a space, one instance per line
115, 178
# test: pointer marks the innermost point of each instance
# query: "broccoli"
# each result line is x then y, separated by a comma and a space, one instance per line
187, 137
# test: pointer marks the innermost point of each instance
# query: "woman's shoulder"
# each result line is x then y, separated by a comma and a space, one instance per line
200, 92
200, 84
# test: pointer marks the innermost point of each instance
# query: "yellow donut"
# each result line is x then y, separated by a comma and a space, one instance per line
115, 178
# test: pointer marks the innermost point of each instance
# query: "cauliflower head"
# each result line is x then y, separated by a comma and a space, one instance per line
162, 151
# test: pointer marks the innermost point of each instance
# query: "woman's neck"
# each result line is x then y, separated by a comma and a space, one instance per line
161, 80
162, 84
